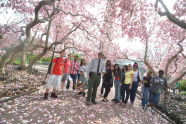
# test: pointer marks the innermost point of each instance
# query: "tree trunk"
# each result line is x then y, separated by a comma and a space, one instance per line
7, 56
172, 83
12, 58
34, 60
23, 59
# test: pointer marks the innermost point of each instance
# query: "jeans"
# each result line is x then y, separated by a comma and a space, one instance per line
125, 88
145, 96
74, 78
154, 98
133, 91
117, 84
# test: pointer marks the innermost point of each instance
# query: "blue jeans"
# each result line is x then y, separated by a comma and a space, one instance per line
125, 89
74, 78
145, 96
154, 98
133, 91
117, 84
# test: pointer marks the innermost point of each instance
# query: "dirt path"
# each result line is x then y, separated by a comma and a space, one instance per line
71, 109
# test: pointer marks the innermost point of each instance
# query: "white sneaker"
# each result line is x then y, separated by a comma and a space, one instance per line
153, 111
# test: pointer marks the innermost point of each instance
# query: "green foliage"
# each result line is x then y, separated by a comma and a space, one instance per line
17, 61
79, 56
182, 85
183, 93
45, 59
30, 56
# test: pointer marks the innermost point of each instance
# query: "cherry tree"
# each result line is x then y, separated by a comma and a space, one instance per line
163, 38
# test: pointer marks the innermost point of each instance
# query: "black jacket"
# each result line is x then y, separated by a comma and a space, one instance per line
108, 78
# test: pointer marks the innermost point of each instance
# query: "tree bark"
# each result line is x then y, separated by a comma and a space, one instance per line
12, 58
7, 56
172, 83
170, 16
170, 60
34, 60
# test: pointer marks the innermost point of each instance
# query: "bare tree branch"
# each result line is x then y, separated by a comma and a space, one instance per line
169, 61
172, 83
170, 16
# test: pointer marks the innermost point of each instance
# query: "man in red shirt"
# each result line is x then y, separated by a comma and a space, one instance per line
54, 81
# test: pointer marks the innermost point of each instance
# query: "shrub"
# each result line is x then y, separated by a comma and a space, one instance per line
17, 61
183, 93
182, 85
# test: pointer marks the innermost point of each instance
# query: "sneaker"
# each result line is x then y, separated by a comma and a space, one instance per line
68, 85
45, 96
94, 102
153, 111
104, 100
83, 94
145, 108
79, 93
88, 103
74, 87
123, 104
53, 95
116, 101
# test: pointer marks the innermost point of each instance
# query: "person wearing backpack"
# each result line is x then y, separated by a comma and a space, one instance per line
136, 81
54, 80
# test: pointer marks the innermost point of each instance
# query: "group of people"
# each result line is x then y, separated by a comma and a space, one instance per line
88, 77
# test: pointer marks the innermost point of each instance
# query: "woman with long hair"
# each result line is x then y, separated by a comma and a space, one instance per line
108, 82
108, 65
117, 83
136, 81
127, 84
83, 81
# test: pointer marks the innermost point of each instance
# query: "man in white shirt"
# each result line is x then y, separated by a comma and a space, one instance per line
95, 68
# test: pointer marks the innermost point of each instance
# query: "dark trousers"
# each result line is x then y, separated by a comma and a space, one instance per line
133, 91
93, 83
107, 91
102, 89
78, 76
125, 89
74, 78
